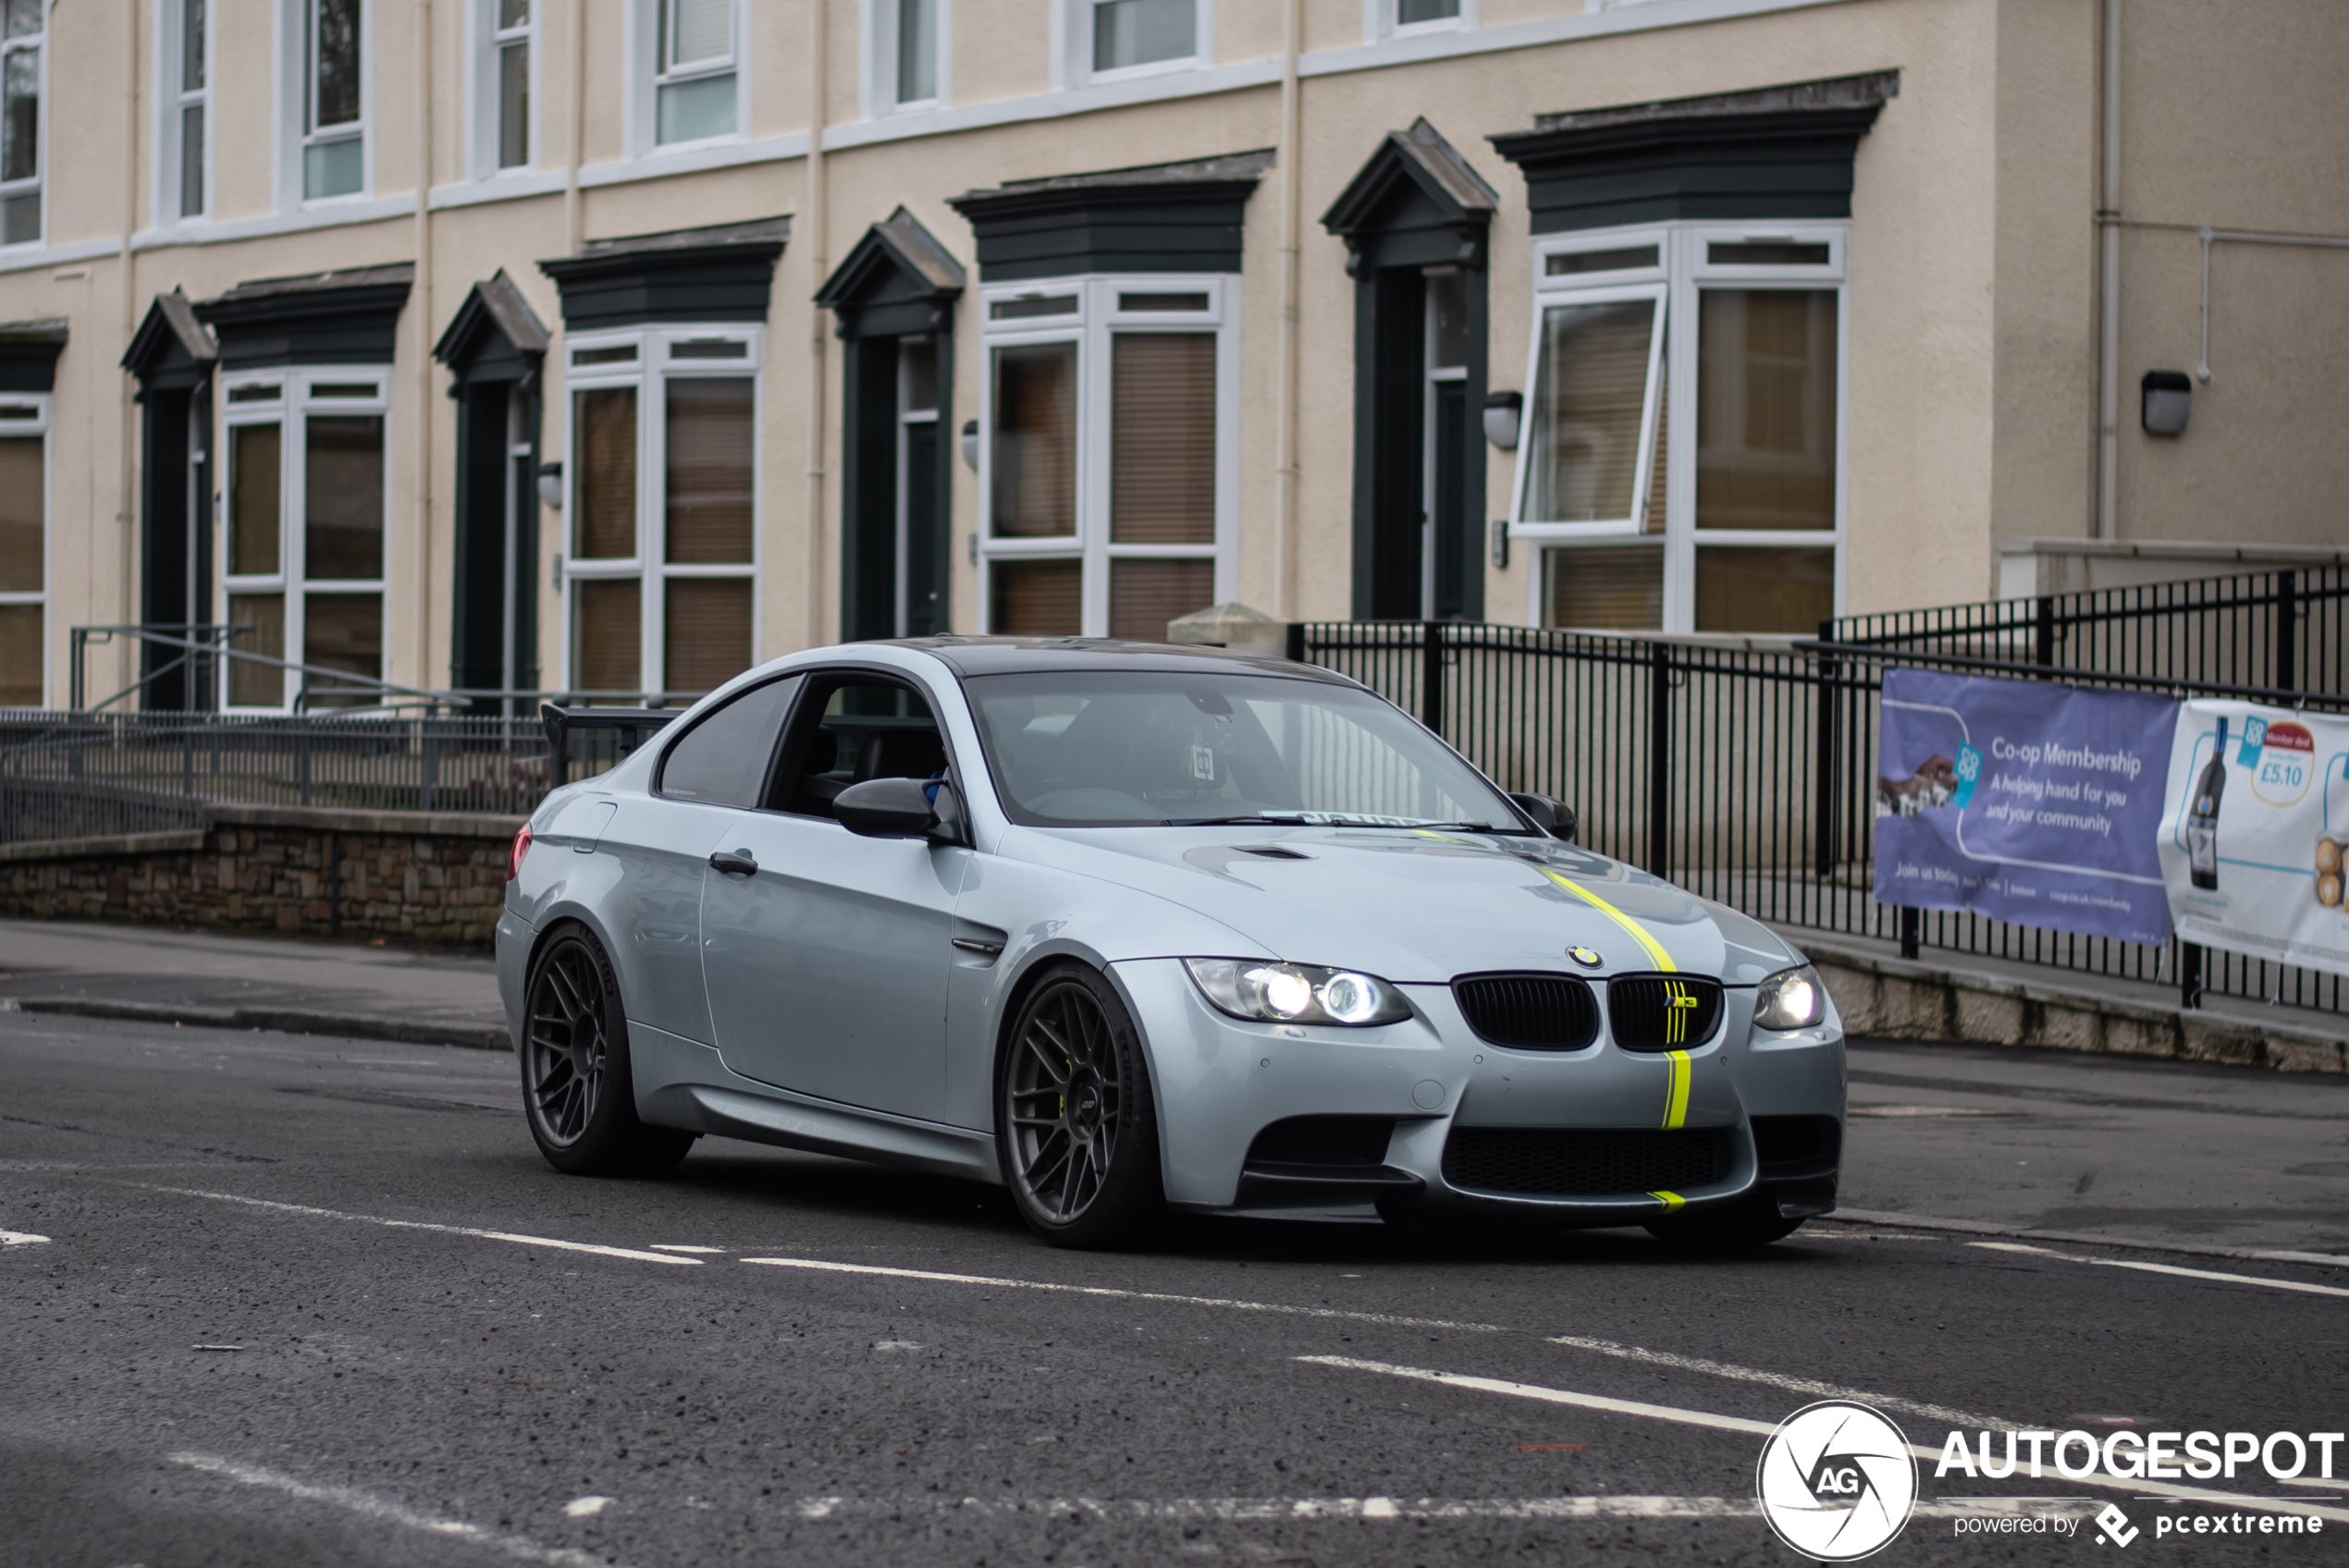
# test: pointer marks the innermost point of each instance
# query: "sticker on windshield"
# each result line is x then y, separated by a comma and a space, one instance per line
1203, 764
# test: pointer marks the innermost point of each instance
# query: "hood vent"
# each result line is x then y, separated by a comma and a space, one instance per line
1272, 852
1529, 1013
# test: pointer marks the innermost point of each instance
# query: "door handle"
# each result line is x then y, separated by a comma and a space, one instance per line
735, 862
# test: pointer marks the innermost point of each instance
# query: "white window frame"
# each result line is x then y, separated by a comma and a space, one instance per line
649, 374
484, 79
43, 405
907, 417
1096, 321
1381, 19
294, 81
882, 19
641, 60
291, 410
1679, 278
173, 101
36, 183
1072, 31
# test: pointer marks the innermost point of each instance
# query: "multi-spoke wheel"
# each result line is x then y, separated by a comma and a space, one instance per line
576, 1089
1078, 1134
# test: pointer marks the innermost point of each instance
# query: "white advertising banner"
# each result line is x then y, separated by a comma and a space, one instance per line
2255, 832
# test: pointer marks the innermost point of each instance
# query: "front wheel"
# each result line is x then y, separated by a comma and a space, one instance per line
1074, 1116
577, 1092
1751, 1221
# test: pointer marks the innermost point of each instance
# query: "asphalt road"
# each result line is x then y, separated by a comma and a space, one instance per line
303, 1301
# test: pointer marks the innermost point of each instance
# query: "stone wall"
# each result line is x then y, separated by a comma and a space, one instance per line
413, 876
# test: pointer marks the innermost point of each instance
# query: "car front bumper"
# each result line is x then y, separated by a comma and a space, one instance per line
1221, 1081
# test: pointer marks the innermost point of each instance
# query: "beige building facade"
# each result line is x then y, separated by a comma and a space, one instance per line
611, 346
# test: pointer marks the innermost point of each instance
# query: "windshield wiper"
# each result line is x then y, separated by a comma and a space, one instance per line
1323, 819
1237, 822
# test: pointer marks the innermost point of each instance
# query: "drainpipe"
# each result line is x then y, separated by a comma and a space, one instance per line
578, 63
425, 410
818, 80
1284, 392
127, 513
2109, 292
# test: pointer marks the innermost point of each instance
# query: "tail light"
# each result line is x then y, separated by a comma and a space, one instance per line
513, 856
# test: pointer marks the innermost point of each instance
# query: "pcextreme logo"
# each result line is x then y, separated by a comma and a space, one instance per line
2114, 1526
1837, 1481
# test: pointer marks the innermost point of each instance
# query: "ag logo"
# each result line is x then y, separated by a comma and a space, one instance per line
1837, 1481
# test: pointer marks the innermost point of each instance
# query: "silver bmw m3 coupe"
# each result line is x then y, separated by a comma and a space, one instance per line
1124, 926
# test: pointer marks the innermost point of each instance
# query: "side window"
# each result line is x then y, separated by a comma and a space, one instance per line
857, 728
722, 759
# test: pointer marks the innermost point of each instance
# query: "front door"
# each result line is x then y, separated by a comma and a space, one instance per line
827, 965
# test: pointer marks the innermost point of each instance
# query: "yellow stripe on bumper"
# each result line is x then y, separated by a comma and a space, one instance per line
1676, 1097
1670, 1201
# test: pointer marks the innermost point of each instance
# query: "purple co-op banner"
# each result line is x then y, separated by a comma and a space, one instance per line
2025, 800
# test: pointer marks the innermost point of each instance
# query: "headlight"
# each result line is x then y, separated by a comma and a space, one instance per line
1793, 999
1296, 993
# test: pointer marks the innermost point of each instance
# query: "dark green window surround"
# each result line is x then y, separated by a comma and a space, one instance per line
172, 356
29, 352
494, 347
697, 275
1162, 218
896, 280
1415, 204
1772, 153
328, 318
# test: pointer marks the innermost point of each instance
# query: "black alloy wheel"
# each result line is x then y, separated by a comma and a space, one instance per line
577, 1092
1079, 1134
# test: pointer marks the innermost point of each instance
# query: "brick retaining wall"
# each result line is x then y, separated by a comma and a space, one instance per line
418, 877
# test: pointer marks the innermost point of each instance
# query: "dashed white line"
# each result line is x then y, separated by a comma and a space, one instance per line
1780, 1381
820, 1266
1247, 1509
427, 1225
2135, 1486
2299, 1285
365, 1505
21, 1239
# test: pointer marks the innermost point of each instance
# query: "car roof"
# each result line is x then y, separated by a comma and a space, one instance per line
1005, 655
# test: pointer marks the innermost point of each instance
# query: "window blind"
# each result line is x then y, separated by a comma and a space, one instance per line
603, 445
21, 524
1035, 446
1162, 439
706, 631
343, 497
711, 440
1036, 598
1589, 397
606, 626
254, 485
1145, 595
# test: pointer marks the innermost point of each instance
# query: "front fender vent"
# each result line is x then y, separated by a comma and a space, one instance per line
1663, 1012
1529, 1013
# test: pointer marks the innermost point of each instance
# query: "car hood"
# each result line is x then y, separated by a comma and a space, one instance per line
1416, 905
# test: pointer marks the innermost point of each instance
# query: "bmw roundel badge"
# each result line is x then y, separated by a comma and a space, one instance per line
1584, 957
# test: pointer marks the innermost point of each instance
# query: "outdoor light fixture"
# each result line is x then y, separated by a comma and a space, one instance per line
2169, 398
1503, 413
550, 486
970, 445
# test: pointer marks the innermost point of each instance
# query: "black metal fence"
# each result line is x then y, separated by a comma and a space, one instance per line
1744, 769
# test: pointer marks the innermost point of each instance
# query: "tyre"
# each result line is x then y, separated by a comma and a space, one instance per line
1752, 1221
1074, 1120
576, 1089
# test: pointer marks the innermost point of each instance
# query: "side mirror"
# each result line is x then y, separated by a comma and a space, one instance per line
1555, 820
899, 808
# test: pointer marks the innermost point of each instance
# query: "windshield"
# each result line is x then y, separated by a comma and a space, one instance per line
1106, 748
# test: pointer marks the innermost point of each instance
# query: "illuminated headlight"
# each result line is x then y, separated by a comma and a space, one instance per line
1296, 993
1793, 999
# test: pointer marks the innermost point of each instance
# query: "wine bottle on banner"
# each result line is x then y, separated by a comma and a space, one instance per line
2202, 818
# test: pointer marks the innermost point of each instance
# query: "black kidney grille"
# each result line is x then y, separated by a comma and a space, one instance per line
1530, 1013
1663, 1012
1585, 1161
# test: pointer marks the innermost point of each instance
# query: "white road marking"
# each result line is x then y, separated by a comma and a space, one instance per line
20, 1239
672, 1246
822, 1266
2301, 1286
1246, 1510
2137, 1486
368, 1506
1779, 1381
585, 1507
427, 1225
895, 1344
2312, 1481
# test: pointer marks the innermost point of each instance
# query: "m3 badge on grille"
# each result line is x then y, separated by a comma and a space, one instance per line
1584, 957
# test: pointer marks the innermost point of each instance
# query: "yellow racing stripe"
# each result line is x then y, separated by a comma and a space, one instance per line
1655, 953
1675, 1097
1669, 1200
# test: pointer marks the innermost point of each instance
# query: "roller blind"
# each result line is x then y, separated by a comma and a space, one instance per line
1590, 394
709, 470
1162, 438
603, 448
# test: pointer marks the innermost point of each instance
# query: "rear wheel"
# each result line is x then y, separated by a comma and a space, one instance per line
1074, 1119
1751, 1221
577, 1092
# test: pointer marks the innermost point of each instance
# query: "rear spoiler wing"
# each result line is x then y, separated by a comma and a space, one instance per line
636, 724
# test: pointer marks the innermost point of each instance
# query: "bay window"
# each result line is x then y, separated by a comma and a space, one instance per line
307, 496
662, 571
1682, 464
24, 548
1109, 475
23, 28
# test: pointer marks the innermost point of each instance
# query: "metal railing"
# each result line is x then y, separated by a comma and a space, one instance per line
1744, 769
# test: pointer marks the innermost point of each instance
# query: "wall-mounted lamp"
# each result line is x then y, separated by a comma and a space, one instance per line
1504, 411
970, 445
550, 486
2169, 398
